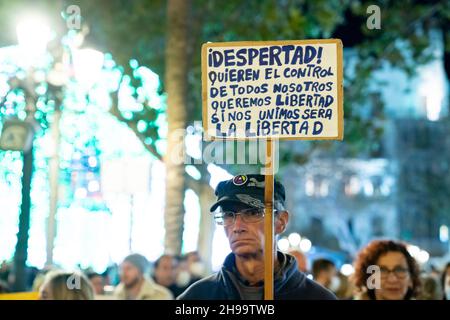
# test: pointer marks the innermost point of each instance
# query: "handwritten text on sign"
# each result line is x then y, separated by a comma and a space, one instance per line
283, 89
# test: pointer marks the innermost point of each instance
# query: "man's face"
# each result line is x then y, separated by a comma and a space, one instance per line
165, 273
129, 274
247, 239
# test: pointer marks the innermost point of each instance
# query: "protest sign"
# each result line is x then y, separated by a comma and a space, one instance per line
273, 89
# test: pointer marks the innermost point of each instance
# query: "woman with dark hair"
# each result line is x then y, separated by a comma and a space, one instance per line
445, 280
384, 270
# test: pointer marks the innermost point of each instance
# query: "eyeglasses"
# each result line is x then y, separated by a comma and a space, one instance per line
228, 218
399, 272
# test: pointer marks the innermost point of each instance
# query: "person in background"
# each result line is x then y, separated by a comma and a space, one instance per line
112, 275
346, 289
195, 266
302, 261
431, 288
4, 288
32, 273
190, 270
66, 286
98, 283
134, 285
434, 271
324, 272
5, 269
445, 281
165, 273
183, 276
6, 274
385, 270
42, 275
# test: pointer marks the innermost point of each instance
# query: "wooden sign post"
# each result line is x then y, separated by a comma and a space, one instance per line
272, 90
268, 222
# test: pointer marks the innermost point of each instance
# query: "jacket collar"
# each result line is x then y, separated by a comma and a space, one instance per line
147, 290
287, 278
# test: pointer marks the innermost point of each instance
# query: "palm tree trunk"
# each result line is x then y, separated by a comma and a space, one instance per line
176, 88
21, 253
206, 229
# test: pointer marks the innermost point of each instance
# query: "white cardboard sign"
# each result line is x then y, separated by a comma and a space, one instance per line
273, 89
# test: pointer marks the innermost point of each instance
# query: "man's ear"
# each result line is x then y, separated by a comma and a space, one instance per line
281, 221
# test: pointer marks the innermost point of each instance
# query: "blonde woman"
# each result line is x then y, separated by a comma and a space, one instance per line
66, 286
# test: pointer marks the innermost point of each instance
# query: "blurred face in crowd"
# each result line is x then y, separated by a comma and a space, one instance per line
246, 238
98, 284
130, 275
45, 292
165, 272
395, 278
192, 258
3, 267
58, 286
195, 264
301, 260
447, 284
447, 276
326, 276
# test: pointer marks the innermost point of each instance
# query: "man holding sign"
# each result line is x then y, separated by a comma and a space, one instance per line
241, 212
270, 90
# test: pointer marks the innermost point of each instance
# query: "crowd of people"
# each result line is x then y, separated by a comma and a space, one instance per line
135, 278
396, 276
383, 269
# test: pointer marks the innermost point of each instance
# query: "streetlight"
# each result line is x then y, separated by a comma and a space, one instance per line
33, 35
423, 256
347, 269
443, 233
305, 245
420, 255
283, 244
87, 64
413, 250
294, 239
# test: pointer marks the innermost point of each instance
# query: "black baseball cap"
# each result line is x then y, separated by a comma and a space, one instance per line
247, 190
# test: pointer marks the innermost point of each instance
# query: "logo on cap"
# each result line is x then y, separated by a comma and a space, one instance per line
240, 180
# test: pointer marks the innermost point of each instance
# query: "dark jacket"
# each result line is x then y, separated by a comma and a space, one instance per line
291, 285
